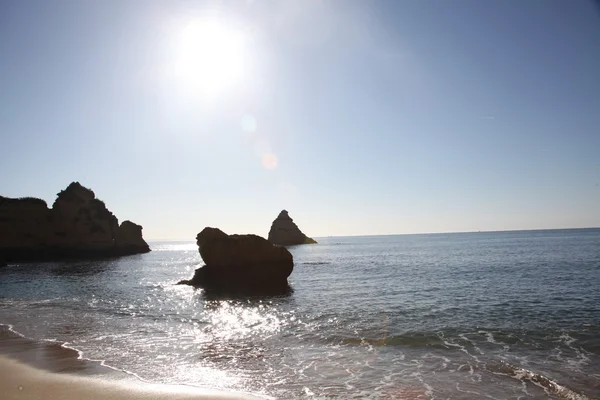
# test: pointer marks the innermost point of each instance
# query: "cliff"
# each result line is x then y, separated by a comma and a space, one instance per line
285, 232
77, 226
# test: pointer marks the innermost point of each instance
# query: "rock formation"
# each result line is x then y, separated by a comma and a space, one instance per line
241, 263
285, 232
128, 237
77, 226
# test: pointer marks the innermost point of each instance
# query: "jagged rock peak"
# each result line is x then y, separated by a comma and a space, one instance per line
75, 193
286, 233
76, 187
284, 215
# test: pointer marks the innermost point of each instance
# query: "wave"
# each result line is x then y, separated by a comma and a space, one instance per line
446, 340
438, 341
57, 356
383, 339
315, 263
549, 386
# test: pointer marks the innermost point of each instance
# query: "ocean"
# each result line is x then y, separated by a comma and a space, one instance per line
498, 315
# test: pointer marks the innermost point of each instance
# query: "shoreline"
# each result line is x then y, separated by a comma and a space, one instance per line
54, 356
31, 369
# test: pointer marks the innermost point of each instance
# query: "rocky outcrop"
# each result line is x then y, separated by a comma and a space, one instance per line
285, 232
128, 237
77, 226
241, 263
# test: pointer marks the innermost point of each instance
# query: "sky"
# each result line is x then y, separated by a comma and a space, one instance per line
358, 117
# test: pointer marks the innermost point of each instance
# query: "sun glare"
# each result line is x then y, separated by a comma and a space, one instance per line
210, 56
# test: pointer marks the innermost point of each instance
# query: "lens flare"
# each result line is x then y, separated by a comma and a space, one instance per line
269, 161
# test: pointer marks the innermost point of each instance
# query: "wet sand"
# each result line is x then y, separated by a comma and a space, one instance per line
31, 370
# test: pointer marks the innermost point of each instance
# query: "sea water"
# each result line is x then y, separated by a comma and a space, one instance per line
463, 316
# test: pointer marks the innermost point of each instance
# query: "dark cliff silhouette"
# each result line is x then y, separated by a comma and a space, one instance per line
285, 232
77, 226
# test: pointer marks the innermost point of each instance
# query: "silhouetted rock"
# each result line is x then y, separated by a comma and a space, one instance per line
77, 226
129, 237
286, 233
246, 263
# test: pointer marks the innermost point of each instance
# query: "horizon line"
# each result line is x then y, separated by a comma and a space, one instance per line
419, 233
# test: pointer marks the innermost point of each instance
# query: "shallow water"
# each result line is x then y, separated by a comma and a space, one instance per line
462, 316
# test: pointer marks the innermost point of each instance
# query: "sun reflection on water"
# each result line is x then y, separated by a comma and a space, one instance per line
226, 342
232, 320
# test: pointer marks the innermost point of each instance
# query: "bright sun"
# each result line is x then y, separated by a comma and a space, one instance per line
210, 56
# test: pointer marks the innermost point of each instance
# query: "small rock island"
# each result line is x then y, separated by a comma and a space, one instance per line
285, 232
77, 226
241, 263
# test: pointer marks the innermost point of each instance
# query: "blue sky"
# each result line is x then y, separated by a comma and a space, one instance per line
358, 117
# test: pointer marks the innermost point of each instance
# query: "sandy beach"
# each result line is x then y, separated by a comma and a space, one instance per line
22, 382
32, 370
